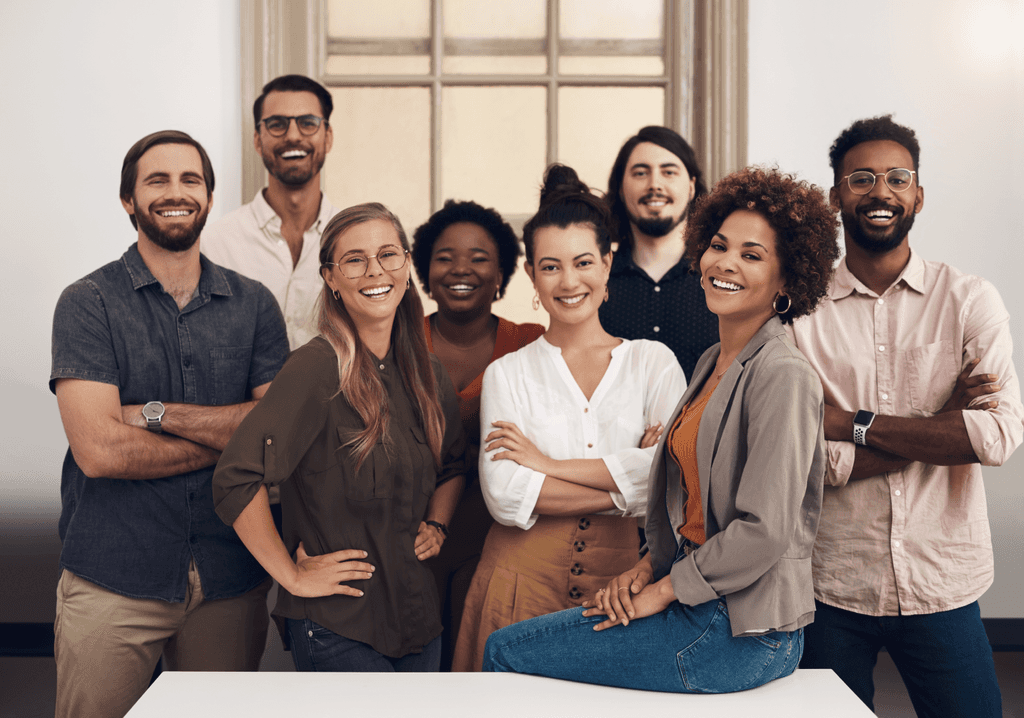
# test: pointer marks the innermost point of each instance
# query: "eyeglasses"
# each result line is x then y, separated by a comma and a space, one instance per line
862, 182
277, 125
354, 266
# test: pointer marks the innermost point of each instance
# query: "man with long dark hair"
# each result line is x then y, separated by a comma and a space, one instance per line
651, 293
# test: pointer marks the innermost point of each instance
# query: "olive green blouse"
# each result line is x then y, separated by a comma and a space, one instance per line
295, 437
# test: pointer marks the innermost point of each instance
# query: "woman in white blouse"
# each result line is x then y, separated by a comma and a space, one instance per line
570, 422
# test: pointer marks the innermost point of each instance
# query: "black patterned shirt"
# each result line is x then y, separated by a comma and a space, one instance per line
671, 311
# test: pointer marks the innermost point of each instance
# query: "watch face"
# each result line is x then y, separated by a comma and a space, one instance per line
153, 410
863, 417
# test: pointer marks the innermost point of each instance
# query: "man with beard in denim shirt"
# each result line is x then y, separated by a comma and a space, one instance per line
157, 357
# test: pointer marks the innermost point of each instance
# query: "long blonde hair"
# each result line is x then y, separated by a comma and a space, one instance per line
358, 379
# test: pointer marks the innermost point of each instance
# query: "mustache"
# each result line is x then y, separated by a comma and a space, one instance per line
655, 195
175, 204
894, 208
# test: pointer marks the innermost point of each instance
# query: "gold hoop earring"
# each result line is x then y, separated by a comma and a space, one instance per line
336, 293
701, 281
775, 304
536, 301
408, 283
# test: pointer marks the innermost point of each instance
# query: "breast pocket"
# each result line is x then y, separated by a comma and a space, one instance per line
931, 372
230, 373
375, 478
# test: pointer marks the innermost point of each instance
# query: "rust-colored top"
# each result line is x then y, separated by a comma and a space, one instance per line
682, 443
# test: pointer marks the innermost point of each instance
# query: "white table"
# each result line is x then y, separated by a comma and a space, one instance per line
810, 694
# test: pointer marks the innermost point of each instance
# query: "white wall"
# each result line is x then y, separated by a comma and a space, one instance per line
81, 83
954, 71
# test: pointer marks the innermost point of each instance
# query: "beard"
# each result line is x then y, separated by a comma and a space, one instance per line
878, 240
293, 174
174, 239
658, 226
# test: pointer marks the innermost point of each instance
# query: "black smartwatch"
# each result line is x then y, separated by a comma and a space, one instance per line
153, 413
861, 423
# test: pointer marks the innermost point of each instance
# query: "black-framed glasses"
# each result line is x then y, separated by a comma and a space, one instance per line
277, 125
354, 266
862, 181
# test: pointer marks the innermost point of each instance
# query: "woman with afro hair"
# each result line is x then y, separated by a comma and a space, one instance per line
719, 599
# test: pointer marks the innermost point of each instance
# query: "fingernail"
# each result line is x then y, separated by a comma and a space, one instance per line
360, 593
631, 614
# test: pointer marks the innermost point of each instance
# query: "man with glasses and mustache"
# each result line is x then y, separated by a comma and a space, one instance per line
157, 357
275, 239
651, 293
916, 361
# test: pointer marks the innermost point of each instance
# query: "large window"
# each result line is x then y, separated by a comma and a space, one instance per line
472, 99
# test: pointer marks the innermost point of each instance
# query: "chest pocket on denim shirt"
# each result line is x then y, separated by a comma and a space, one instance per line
230, 373
931, 371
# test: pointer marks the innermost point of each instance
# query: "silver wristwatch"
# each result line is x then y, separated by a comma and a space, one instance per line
861, 423
153, 413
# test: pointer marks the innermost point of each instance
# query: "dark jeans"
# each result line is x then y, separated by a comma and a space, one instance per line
315, 648
944, 658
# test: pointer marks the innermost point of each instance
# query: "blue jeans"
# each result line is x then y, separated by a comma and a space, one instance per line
944, 658
319, 649
683, 649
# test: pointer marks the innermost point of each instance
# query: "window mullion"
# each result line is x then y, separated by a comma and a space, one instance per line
437, 59
552, 129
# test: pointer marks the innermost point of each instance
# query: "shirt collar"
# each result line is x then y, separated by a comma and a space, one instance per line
844, 283
211, 277
265, 214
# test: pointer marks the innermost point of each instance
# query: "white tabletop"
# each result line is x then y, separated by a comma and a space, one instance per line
810, 693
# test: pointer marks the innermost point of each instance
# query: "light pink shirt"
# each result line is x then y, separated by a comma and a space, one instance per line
913, 541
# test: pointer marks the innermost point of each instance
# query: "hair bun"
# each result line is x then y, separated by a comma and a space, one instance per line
559, 181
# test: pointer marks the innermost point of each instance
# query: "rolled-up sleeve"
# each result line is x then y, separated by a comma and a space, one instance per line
630, 468
510, 490
272, 439
994, 433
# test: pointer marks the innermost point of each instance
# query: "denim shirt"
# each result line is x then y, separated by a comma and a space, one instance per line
118, 326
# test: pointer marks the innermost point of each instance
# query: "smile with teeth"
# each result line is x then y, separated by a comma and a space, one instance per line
575, 299
654, 201
460, 288
174, 212
294, 154
375, 292
727, 286
880, 215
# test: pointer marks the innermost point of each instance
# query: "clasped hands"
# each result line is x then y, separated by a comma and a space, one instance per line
630, 595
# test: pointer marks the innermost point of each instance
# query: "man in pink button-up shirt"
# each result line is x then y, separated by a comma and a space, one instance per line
915, 359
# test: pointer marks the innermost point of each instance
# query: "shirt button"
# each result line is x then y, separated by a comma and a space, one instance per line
657, 329
896, 544
579, 546
586, 409
885, 396
382, 367
576, 569
181, 320
269, 442
881, 301
584, 523
575, 593
310, 634
590, 446
187, 363
657, 288
898, 492
881, 349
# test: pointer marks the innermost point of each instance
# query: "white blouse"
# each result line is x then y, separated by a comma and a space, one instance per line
534, 389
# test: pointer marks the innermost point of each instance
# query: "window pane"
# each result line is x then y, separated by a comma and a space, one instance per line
589, 136
605, 65
593, 19
381, 150
377, 65
357, 18
494, 146
487, 37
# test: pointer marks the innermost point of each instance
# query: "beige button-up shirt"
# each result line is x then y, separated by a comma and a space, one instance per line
249, 241
914, 541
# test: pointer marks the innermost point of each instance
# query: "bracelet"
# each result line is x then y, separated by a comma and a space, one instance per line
439, 526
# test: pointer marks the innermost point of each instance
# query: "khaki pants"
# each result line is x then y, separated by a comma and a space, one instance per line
107, 645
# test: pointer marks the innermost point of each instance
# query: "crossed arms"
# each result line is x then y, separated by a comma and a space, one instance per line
110, 440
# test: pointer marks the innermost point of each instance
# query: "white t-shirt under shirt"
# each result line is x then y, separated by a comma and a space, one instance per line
534, 389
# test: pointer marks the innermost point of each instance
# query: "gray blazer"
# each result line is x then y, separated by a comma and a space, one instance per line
761, 460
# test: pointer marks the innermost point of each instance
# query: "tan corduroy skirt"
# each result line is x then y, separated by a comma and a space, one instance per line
557, 564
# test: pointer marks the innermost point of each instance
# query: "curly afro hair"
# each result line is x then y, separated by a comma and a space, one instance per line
454, 212
871, 130
805, 229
